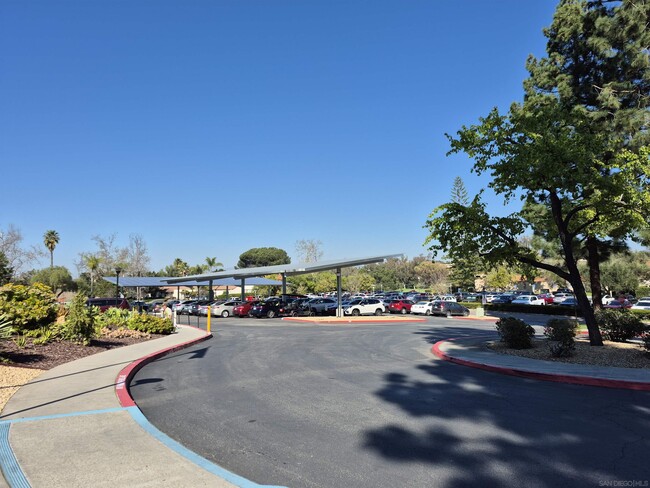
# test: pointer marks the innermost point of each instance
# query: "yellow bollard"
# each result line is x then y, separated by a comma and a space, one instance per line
209, 317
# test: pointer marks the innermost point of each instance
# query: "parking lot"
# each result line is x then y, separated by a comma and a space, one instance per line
367, 405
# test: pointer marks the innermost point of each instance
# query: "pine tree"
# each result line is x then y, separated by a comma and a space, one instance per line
459, 192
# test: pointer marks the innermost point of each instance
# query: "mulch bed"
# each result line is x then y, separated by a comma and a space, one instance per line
55, 353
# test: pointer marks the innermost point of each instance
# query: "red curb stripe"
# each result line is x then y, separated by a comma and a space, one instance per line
126, 374
363, 321
556, 378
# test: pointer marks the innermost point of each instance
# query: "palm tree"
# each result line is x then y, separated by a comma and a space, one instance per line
213, 264
92, 262
51, 239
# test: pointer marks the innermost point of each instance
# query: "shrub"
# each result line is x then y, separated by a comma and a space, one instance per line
619, 325
561, 336
516, 333
79, 325
5, 327
149, 324
28, 307
122, 333
113, 318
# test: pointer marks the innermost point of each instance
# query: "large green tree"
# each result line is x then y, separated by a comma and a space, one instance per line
575, 146
58, 278
263, 256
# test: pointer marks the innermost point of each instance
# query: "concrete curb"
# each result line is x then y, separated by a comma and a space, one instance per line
126, 374
557, 378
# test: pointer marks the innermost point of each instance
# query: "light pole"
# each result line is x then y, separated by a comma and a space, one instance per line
118, 270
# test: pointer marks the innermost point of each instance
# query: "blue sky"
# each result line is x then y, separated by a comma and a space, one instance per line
211, 127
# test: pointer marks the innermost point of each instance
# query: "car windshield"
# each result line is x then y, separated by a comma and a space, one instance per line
423, 302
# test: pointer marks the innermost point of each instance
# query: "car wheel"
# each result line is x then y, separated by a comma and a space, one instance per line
404, 310
378, 311
293, 313
466, 313
427, 312
448, 314
225, 314
270, 314
311, 313
356, 312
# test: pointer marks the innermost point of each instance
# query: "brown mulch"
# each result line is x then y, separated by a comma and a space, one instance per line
55, 353
613, 354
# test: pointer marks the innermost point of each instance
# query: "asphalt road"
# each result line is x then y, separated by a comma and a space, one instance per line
369, 406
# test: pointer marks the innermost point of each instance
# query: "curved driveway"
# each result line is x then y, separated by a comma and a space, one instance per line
369, 406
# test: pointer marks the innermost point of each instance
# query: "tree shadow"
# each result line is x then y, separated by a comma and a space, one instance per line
484, 428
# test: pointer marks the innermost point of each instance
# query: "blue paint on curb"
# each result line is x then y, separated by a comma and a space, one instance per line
192, 456
61, 415
8, 462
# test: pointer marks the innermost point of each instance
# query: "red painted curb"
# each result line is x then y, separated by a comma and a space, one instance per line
363, 321
556, 378
126, 374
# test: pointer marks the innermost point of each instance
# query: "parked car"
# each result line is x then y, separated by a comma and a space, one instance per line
400, 306
422, 307
243, 308
193, 308
528, 300
642, 304
317, 306
182, 307
443, 298
547, 297
559, 297
366, 306
268, 309
569, 302
448, 309
225, 309
619, 304
503, 299
105, 303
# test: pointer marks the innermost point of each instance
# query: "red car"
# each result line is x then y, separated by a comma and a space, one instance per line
400, 306
547, 297
244, 308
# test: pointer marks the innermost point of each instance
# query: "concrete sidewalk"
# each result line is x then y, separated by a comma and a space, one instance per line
68, 428
473, 352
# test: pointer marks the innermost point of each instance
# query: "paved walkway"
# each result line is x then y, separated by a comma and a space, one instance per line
472, 352
73, 426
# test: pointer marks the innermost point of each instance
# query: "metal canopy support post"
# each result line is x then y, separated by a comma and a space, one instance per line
210, 291
243, 289
284, 283
339, 308
178, 293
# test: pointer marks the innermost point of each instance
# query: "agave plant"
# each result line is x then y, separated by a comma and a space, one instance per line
5, 327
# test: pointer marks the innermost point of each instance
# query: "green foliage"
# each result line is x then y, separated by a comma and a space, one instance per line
20, 341
619, 325
112, 318
6, 328
534, 309
561, 335
6, 271
263, 256
79, 325
149, 324
56, 277
516, 333
28, 307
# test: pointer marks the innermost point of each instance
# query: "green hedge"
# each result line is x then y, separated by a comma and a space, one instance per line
538, 309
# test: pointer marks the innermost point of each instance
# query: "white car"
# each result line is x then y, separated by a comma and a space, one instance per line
443, 298
225, 309
367, 306
560, 297
422, 307
640, 305
528, 300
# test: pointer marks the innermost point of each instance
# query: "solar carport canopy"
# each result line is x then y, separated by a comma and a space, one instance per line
285, 270
145, 281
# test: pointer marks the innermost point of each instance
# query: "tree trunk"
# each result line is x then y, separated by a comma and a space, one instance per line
566, 238
594, 272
